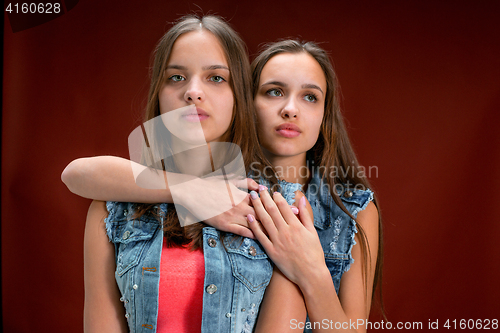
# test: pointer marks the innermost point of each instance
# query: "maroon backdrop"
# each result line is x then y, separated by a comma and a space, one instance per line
420, 83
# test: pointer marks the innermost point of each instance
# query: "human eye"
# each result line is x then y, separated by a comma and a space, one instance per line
176, 78
311, 98
217, 79
274, 92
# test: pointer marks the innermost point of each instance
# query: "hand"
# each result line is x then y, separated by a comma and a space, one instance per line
293, 244
209, 196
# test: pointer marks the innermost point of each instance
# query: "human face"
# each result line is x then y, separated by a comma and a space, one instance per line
197, 74
290, 104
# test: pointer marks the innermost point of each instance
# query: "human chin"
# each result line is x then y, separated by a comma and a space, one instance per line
281, 149
175, 122
210, 135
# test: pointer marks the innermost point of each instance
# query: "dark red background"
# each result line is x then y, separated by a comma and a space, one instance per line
421, 88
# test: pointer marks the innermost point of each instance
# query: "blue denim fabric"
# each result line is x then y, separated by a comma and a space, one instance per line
240, 270
336, 230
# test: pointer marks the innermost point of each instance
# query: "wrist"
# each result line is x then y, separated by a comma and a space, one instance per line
316, 281
181, 187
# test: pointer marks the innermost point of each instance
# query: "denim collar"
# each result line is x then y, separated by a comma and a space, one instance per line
319, 196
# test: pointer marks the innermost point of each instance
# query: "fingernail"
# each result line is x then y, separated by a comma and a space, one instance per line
295, 210
262, 188
277, 193
254, 195
250, 218
303, 201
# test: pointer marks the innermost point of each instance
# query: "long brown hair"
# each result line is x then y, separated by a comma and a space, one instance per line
332, 150
241, 131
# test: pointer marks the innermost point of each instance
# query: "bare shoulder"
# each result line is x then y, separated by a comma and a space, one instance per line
368, 217
97, 212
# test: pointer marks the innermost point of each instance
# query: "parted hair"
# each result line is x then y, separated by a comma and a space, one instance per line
332, 150
241, 131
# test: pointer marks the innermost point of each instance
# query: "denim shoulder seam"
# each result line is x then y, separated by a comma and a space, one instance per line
355, 229
111, 207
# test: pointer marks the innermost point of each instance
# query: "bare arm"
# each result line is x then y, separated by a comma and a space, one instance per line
111, 178
103, 311
282, 307
295, 249
354, 298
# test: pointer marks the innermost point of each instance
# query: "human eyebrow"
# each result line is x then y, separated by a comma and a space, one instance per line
206, 68
312, 86
275, 83
177, 67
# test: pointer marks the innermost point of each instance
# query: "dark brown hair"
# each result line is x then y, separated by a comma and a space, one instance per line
241, 131
332, 150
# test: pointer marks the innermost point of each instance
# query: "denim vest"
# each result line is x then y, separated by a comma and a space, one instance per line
236, 273
336, 230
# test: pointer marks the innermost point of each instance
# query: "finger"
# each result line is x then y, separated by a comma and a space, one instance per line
252, 184
294, 209
258, 231
241, 220
246, 206
284, 209
241, 212
263, 216
241, 230
305, 214
272, 209
245, 183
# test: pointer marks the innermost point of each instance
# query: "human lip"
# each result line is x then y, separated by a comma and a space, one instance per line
288, 130
195, 115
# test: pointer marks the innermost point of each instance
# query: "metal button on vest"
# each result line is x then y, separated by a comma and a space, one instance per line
212, 242
211, 289
348, 194
135, 286
228, 315
125, 212
127, 315
126, 234
252, 251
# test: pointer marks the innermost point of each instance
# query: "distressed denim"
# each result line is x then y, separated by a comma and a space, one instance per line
336, 230
236, 274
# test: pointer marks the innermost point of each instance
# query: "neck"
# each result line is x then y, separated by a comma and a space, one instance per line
192, 159
292, 169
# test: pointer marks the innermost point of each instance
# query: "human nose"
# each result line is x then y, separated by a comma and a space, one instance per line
290, 110
194, 91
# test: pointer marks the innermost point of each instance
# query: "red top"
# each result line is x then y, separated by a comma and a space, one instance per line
180, 304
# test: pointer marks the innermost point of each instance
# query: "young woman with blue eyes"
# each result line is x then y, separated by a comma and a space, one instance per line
154, 275
300, 127
302, 134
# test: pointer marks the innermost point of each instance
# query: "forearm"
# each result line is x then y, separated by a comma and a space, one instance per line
110, 178
324, 309
283, 305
